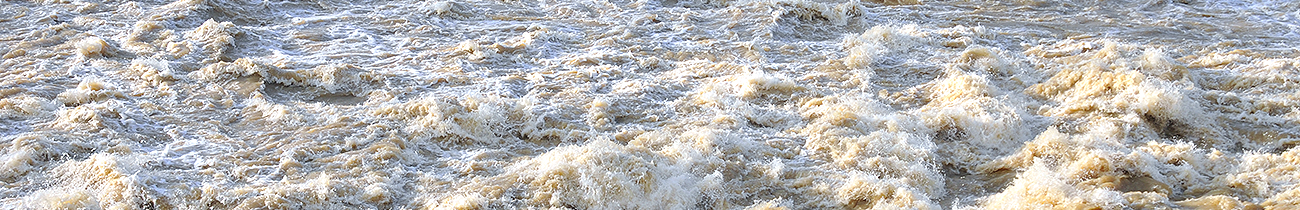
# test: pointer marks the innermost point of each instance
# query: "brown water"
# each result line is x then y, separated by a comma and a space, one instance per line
650, 104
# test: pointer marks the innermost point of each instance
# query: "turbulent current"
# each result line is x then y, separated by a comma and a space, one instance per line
650, 104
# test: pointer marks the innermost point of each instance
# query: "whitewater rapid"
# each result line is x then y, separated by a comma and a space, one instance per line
650, 104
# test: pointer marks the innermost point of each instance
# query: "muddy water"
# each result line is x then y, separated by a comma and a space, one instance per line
672, 104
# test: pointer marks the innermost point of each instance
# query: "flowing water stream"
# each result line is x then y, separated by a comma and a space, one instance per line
649, 104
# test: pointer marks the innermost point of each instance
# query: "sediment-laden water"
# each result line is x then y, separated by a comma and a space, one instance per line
649, 104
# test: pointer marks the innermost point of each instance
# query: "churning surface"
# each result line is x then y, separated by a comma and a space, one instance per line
649, 104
